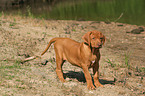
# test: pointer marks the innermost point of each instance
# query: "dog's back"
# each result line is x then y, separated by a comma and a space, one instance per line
68, 49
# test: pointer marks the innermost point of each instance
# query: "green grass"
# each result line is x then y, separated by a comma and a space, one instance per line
95, 10
29, 13
10, 75
13, 23
111, 63
15, 65
127, 61
142, 69
0, 14
124, 65
100, 10
8, 70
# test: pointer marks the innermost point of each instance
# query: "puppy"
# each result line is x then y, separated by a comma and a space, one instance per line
84, 55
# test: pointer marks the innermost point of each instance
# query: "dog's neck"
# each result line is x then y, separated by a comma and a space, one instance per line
95, 50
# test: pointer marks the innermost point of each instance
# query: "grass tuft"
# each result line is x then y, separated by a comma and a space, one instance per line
127, 61
111, 63
29, 12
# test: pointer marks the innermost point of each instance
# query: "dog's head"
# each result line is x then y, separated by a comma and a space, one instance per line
95, 39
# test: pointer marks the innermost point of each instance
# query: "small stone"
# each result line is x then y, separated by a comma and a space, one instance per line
67, 79
90, 91
136, 31
120, 25
141, 29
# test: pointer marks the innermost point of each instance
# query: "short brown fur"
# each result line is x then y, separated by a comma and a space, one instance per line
85, 55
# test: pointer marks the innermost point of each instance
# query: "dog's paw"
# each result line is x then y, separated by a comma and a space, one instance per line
98, 85
91, 87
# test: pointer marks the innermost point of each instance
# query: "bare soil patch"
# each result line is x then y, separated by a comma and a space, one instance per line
122, 65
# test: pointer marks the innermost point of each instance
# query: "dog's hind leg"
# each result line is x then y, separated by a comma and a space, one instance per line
59, 63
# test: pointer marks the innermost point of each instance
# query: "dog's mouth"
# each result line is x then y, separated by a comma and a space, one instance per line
98, 47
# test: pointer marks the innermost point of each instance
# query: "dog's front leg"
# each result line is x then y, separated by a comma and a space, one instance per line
88, 78
96, 75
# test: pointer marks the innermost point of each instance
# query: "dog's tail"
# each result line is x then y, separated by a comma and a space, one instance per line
51, 41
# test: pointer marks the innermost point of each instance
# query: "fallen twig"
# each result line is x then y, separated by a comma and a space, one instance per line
22, 61
30, 58
119, 17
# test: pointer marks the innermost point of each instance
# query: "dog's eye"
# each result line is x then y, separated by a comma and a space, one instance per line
93, 38
101, 38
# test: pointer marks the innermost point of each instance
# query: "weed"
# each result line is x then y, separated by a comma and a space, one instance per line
112, 64
73, 30
18, 80
17, 62
28, 32
13, 23
29, 12
0, 14
10, 77
10, 67
14, 20
141, 69
127, 61
52, 60
44, 23
44, 33
15, 65
19, 13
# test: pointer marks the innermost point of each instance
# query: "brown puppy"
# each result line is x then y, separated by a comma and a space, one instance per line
85, 55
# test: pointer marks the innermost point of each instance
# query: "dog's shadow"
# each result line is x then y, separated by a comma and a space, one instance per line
81, 77
75, 75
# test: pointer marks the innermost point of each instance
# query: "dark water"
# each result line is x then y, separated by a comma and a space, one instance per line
125, 11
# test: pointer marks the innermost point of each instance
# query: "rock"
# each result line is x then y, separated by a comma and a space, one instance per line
107, 22
141, 29
120, 25
137, 31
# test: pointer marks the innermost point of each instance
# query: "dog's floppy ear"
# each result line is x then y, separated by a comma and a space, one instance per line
87, 38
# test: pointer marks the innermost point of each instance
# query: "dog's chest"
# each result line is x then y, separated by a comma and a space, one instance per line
93, 58
93, 61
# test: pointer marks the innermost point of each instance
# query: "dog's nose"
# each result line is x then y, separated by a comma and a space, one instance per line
100, 45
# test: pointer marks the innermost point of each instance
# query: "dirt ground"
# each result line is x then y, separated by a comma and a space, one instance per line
122, 64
